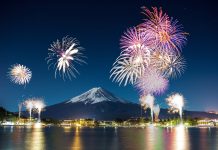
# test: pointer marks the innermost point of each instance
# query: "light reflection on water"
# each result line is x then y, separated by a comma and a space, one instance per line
149, 138
76, 144
35, 139
180, 135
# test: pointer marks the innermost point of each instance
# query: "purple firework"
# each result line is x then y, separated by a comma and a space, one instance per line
134, 38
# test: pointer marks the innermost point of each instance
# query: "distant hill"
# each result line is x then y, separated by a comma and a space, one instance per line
100, 104
5, 114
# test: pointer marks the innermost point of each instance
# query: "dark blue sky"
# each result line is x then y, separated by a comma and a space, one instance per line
27, 29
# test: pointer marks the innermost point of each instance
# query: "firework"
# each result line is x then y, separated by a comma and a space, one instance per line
126, 69
147, 101
156, 110
165, 32
176, 103
39, 105
135, 45
63, 55
20, 74
19, 109
134, 38
169, 65
134, 58
29, 104
151, 82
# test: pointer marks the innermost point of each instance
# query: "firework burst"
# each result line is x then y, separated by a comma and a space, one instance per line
165, 32
169, 65
63, 55
127, 70
20, 74
134, 58
151, 82
134, 38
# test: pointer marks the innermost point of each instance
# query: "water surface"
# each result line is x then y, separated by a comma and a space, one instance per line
149, 138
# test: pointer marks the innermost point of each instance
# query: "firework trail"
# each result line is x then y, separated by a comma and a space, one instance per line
156, 110
147, 101
20, 74
39, 105
166, 33
176, 103
30, 105
151, 82
63, 55
20, 109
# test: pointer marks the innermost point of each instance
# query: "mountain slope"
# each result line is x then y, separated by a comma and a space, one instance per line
96, 103
96, 95
100, 104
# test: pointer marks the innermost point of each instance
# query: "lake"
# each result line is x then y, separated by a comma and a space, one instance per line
149, 138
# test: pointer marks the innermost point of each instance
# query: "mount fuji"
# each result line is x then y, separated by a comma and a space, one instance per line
97, 103
96, 95
100, 104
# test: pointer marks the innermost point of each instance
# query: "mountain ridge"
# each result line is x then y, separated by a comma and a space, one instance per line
100, 104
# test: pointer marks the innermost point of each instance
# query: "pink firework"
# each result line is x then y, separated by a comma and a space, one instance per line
134, 38
166, 33
151, 82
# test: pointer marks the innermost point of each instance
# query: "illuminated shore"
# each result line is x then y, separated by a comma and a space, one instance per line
137, 122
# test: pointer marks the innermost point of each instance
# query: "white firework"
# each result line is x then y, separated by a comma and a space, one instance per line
131, 64
127, 70
176, 103
20, 74
147, 101
39, 105
168, 64
30, 105
156, 110
63, 55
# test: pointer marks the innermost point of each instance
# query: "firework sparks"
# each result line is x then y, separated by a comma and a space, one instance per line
151, 82
147, 101
165, 32
29, 104
156, 110
20, 74
176, 103
63, 54
19, 109
39, 105
169, 65
134, 38
126, 69
134, 58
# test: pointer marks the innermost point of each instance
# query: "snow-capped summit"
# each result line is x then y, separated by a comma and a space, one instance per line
96, 95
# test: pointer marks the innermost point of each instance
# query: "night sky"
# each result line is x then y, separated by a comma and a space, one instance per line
28, 28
